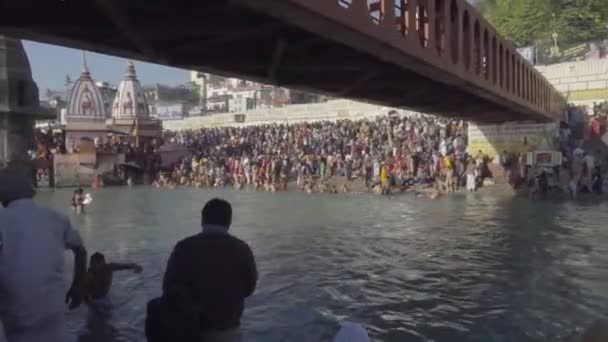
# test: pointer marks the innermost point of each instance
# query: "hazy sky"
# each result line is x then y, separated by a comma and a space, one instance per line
50, 64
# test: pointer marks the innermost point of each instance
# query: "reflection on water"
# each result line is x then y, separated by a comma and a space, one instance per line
468, 268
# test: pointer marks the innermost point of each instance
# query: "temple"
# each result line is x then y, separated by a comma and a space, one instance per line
130, 113
85, 112
103, 144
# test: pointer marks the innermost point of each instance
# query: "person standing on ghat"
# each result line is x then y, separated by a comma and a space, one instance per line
33, 239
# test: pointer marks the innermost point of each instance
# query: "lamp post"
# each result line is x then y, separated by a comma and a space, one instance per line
202, 100
555, 49
255, 98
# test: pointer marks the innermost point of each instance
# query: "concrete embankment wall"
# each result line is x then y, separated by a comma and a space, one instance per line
78, 169
513, 137
583, 82
331, 111
70, 172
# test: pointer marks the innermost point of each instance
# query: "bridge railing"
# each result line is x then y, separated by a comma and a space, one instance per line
451, 35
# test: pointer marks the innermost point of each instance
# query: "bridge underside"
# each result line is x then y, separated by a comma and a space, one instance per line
234, 39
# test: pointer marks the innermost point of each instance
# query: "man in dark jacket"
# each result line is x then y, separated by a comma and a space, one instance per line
214, 272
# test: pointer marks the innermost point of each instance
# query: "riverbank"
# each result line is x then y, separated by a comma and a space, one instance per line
340, 185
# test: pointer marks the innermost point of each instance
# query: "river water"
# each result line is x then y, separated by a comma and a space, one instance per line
467, 268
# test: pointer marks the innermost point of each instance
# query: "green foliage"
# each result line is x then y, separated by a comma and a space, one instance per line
527, 22
584, 20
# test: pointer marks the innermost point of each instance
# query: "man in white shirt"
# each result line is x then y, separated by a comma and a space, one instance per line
32, 244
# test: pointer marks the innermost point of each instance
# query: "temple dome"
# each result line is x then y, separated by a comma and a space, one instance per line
130, 101
85, 101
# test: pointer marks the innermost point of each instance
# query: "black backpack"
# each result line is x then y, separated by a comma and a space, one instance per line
168, 321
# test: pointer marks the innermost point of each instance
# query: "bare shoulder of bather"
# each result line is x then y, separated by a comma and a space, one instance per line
98, 282
99, 275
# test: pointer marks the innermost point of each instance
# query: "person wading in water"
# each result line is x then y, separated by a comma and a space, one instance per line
99, 281
208, 277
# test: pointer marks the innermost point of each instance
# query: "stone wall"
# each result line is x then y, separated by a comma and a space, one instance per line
69, 172
331, 111
513, 137
73, 138
106, 162
78, 169
581, 82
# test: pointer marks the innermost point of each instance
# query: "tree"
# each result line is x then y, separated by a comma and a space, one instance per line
583, 20
527, 22
535, 22
520, 21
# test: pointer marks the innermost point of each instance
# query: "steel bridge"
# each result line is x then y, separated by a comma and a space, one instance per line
434, 56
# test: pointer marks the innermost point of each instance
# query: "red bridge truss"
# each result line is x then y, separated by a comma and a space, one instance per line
434, 56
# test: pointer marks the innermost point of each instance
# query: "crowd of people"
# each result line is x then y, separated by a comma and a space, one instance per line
386, 154
583, 166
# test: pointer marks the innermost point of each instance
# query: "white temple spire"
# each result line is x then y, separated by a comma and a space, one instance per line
130, 101
130, 73
85, 67
85, 101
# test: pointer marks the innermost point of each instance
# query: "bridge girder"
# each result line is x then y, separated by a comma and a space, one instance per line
435, 56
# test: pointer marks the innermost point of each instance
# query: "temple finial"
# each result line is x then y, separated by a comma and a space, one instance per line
85, 67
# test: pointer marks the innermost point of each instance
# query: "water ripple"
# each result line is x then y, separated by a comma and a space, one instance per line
468, 268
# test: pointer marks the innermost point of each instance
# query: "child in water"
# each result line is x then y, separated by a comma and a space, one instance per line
78, 201
99, 281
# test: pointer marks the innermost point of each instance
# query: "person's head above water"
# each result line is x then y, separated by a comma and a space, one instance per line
96, 260
217, 212
14, 185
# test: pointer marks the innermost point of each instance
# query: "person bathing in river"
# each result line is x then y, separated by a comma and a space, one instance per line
97, 183
99, 280
78, 201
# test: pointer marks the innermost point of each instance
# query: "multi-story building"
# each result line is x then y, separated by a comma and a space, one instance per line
301, 97
237, 96
218, 104
166, 102
243, 99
